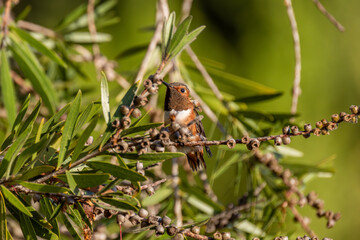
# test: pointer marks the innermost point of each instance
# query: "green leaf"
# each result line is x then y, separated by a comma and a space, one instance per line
13, 200
84, 217
132, 51
48, 208
27, 227
179, 35
259, 98
105, 101
32, 69
11, 154
141, 128
36, 171
70, 227
127, 100
225, 166
29, 122
117, 171
7, 88
85, 37
55, 118
39, 46
87, 180
72, 16
43, 188
56, 211
90, 111
71, 181
82, 140
152, 156
119, 203
167, 33
69, 128
189, 38
3, 222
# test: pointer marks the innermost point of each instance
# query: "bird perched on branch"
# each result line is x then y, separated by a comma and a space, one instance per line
185, 123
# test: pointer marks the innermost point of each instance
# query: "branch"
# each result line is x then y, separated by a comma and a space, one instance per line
331, 18
297, 73
5, 23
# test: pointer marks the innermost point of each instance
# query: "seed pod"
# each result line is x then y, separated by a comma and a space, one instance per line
172, 230
317, 132
125, 122
36, 198
139, 166
166, 221
295, 130
245, 139
140, 101
136, 113
217, 236
335, 117
354, 109
116, 123
254, 143
277, 141
231, 143
342, 114
124, 109
120, 218
354, 119
107, 214
178, 236
319, 124
98, 210
332, 126
157, 79
286, 130
154, 133
337, 216
195, 229
148, 83
307, 127
89, 141
153, 90
143, 213
145, 143
324, 131
286, 140
150, 190
153, 220
302, 202
122, 147
226, 235
159, 148
159, 230
164, 136
131, 149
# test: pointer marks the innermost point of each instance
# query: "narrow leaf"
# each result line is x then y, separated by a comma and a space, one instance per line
13, 200
71, 181
44, 188
70, 227
87, 180
56, 211
141, 128
7, 88
259, 98
180, 33
105, 101
36, 171
11, 154
119, 203
167, 33
39, 46
82, 140
55, 118
83, 214
3, 222
189, 38
29, 122
69, 128
117, 171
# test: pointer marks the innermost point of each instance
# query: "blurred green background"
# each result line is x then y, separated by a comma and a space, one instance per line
253, 40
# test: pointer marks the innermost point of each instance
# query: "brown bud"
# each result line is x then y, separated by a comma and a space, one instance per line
125, 122
226, 235
342, 114
139, 166
354, 109
140, 101
159, 230
143, 213
295, 130
107, 214
154, 133
277, 141
136, 113
319, 124
166, 221
178, 236
131, 149
231, 143
172, 230
218, 236
98, 210
159, 148
122, 147
324, 131
245, 139
145, 143
150, 190
307, 127
286, 130
254, 143
324, 122
337, 216
124, 109
116, 123
286, 140
317, 132
195, 229
354, 119
153, 220
120, 218
332, 126
153, 90
157, 79
135, 219
335, 117
148, 83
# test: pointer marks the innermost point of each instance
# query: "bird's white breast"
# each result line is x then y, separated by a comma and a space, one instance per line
181, 116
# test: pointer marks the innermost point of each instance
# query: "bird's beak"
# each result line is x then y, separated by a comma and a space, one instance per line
166, 84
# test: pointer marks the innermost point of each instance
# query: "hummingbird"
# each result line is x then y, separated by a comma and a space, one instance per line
179, 108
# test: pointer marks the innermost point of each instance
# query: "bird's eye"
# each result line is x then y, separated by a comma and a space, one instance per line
182, 90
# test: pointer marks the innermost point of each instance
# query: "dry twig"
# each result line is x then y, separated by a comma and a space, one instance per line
331, 18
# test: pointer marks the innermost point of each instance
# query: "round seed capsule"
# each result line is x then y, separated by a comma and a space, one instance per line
231, 143
171, 230
124, 109
136, 113
143, 213
125, 122
286, 140
159, 230
195, 229
166, 221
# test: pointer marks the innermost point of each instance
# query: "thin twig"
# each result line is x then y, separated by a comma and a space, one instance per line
37, 28
78, 162
188, 233
175, 186
186, 8
208, 190
296, 91
304, 223
331, 18
152, 46
5, 23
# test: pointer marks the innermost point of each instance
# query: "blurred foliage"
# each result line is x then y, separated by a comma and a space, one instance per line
46, 120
